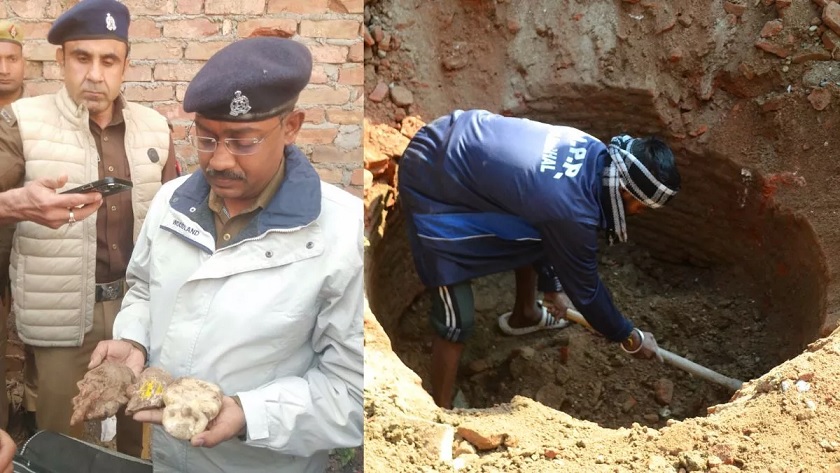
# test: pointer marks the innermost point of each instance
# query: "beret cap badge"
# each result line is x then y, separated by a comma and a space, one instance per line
110, 23
9, 32
240, 104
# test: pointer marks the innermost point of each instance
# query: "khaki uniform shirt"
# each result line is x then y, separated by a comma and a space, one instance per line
227, 228
115, 218
11, 176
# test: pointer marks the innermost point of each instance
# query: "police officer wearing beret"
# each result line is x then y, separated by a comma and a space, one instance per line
68, 283
248, 274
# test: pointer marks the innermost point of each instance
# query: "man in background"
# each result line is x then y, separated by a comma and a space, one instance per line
11, 175
67, 284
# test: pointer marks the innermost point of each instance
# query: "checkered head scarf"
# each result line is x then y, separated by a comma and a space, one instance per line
625, 171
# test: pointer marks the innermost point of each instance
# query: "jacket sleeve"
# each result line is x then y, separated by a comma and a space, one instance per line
322, 409
572, 249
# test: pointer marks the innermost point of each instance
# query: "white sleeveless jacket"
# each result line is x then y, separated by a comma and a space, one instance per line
53, 272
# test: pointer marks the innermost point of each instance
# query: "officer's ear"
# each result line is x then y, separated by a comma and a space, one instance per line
59, 55
293, 122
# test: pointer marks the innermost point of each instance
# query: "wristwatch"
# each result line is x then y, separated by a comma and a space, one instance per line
140, 347
242, 435
631, 345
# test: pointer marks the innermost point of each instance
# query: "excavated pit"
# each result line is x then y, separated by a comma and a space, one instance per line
737, 275
723, 277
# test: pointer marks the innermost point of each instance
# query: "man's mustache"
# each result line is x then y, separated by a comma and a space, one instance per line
224, 174
92, 88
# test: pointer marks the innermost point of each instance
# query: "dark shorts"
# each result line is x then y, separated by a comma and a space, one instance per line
453, 312
451, 242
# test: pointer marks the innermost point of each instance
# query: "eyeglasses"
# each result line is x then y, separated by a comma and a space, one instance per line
237, 146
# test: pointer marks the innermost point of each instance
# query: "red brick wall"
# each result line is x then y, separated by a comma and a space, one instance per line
171, 40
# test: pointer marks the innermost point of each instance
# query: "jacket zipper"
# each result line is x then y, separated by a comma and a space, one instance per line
260, 237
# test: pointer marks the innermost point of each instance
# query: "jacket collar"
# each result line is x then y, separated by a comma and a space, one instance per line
297, 203
78, 113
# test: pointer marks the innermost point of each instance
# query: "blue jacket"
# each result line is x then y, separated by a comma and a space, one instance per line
487, 193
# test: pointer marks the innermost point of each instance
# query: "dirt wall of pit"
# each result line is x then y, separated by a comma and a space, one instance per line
689, 73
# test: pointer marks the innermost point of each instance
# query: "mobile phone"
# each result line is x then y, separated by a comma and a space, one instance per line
106, 187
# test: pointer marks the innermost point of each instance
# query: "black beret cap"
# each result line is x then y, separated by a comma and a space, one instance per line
91, 19
250, 80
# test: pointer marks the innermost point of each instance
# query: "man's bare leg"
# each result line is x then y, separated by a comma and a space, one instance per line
525, 309
446, 356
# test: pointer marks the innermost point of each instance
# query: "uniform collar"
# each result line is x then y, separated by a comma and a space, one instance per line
263, 199
75, 113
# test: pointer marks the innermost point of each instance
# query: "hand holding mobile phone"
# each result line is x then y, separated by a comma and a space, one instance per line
106, 187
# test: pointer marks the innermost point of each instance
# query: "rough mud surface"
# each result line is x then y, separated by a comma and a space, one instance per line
102, 392
737, 276
784, 421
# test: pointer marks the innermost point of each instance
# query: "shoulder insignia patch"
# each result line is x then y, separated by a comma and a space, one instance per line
4, 113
